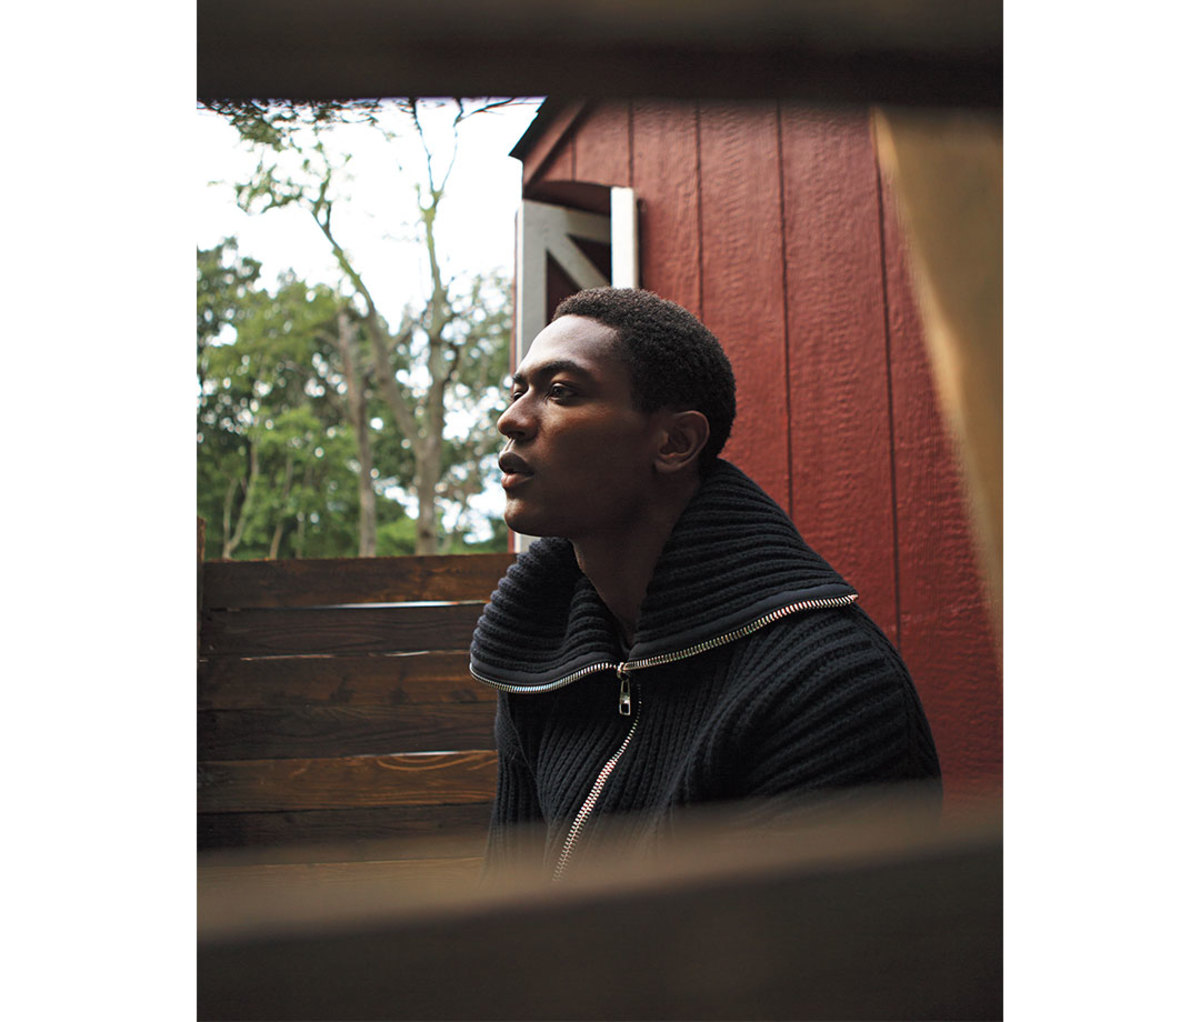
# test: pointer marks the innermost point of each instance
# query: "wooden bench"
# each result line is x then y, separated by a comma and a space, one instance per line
336, 713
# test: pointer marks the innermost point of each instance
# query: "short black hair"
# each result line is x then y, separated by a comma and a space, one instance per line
674, 360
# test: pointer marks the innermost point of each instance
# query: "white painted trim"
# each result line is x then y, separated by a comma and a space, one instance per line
625, 268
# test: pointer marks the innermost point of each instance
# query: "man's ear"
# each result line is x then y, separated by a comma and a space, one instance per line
684, 435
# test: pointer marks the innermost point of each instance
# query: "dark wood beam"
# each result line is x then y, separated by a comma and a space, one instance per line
924, 52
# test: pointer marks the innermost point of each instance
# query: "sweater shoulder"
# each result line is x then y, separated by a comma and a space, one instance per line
821, 662
832, 679
803, 643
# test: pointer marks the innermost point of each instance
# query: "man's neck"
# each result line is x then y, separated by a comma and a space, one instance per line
620, 565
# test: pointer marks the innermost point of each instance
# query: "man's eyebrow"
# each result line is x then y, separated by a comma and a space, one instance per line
558, 365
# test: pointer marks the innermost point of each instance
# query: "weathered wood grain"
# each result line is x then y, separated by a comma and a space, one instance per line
230, 682
415, 779
335, 580
557, 166
743, 298
665, 163
841, 442
363, 629
319, 731
344, 833
602, 144
551, 143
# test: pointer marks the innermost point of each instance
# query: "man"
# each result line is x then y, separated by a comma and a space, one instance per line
673, 641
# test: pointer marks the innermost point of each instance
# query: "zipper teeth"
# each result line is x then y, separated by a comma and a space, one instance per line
666, 658
589, 803
743, 631
549, 686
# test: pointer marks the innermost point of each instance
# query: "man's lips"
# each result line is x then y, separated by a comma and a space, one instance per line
514, 469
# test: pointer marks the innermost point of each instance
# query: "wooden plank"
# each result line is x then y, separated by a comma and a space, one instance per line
558, 166
842, 497
944, 618
325, 581
742, 266
918, 53
666, 180
362, 629
411, 779
290, 836
320, 731
884, 932
285, 878
230, 683
911, 940
200, 527
601, 139
540, 144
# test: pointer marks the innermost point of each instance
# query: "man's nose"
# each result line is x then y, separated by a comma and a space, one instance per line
515, 422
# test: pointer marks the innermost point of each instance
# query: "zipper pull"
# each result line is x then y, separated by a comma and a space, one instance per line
625, 699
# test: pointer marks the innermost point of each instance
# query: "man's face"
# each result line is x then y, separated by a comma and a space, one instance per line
579, 458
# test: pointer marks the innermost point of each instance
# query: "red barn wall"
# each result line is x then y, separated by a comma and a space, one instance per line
773, 224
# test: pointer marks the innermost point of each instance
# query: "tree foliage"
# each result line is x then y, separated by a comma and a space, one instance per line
314, 409
278, 466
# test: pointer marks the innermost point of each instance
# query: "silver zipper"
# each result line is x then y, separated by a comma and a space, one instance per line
589, 803
549, 686
625, 697
740, 633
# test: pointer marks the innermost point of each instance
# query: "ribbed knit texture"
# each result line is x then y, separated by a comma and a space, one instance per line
817, 700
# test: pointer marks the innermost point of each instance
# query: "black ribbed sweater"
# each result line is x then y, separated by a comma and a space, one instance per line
816, 699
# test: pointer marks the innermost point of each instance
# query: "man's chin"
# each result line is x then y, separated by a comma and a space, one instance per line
522, 520
528, 522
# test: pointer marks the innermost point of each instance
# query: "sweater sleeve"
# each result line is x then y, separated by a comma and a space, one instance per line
842, 713
517, 827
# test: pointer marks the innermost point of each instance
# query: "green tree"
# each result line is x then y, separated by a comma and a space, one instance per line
275, 459
435, 375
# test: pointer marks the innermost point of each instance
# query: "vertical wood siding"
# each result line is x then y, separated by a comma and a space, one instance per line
771, 222
666, 162
742, 274
837, 330
602, 144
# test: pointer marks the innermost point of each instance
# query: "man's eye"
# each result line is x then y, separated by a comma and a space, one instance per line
559, 391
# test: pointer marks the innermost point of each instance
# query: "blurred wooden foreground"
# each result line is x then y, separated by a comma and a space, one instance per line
865, 914
948, 169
